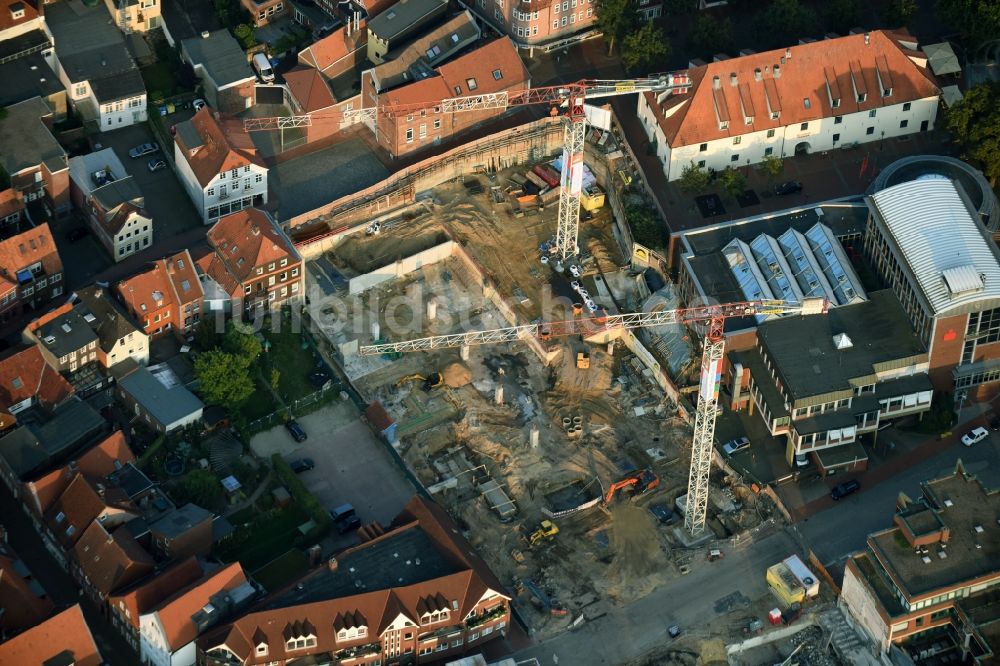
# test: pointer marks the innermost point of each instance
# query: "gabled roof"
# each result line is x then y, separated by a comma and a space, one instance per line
164, 283
418, 59
245, 240
176, 612
7, 7
326, 52
112, 323
22, 599
851, 64
146, 596
212, 144
110, 454
111, 560
309, 89
402, 16
221, 56
62, 639
24, 373
79, 505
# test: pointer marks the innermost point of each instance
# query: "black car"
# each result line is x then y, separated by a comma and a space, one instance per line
348, 525
319, 378
302, 465
663, 514
790, 187
844, 489
75, 234
296, 431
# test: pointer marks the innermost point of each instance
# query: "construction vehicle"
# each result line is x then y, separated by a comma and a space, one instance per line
583, 360
429, 382
606, 326
546, 530
571, 96
640, 482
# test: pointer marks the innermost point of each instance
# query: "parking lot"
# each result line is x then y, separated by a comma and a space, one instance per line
352, 466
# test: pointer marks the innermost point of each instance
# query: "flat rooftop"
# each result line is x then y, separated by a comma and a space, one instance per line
26, 142
406, 557
808, 359
970, 512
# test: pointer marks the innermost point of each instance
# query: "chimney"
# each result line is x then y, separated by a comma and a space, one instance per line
788, 54
732, 79
777, 72
715, 83
204, 34
332, 564
757, 74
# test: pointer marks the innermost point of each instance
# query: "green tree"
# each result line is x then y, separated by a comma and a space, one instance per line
733, 181
202, 488
241, 343
615, 19
842, 15
899, 12
645, 49
694, 179
783, 22
976, 20
224, 378
975, 124
275, 378
246, 34
772, 166
709, 35
647, 229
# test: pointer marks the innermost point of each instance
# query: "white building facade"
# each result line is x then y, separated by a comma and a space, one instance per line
792, 102
156, 650
227, 192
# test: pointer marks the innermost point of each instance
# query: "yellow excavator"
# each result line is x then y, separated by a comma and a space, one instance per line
430, 382
546, 530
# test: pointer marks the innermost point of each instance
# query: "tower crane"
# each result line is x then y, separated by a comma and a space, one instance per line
573, 96
714, 316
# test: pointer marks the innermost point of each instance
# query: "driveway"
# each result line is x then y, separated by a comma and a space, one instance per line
166, 200
352, 466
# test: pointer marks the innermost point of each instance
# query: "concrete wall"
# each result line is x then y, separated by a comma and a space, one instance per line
863, 608
398, 269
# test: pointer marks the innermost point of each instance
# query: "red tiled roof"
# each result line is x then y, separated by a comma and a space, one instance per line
212, 266
326, 52
846, 63
111, 560
309, 89
65, 634
26, 248
7, 19
145, 596
225, 145
243, 241
23, 608
80, 504
24, 373
96, 463
175, 613
10, 202
165, 278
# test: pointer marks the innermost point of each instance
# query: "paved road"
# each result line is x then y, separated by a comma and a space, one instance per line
58, 584
842, 529
689, 601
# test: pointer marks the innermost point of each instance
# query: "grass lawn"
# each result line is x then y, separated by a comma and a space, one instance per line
283, 570
293, 362
260, 404
266, 539
159, 78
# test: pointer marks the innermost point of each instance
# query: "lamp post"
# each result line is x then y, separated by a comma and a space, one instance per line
960, 402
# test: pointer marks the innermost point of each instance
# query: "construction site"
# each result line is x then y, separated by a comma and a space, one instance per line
562, 454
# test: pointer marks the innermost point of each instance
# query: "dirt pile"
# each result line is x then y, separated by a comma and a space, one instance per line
456, 375
638, 557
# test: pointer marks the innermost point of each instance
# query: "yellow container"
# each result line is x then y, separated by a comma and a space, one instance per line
592, 198
784, 585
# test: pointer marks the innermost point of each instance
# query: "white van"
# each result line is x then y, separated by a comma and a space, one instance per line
263, 67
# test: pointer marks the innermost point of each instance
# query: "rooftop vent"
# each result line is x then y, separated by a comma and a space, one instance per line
757, 74
926, 559
842, 341
733, 81
205, 34
66, 327
963, 279
49, 339
89, 318
978, 529
948, 502
716, 82
942, 555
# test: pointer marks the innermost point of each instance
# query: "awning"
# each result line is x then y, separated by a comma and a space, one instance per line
942, 59
951, 95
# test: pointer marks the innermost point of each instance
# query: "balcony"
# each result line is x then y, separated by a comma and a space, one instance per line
358, 651
494, 613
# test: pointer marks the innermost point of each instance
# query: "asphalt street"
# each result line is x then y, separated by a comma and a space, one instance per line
688, 601
834, 533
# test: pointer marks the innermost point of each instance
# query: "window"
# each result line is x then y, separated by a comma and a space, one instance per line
572, 18
770, 134
262, 650
775, 114
736, 140
903, 124
837, 120
836, 103
564, 19
81, 89
260, 178
210, 192
724, 124
735, 158
60, 516
871, 114
701, 164
862, 97
471, 83
437, 124
423, 130
590, 12
803, 127
473, 637
246, 289
555, 24
295, 272
836, 138
870, 131
906, 107
703, 147
497, 75
768, 152
409, 135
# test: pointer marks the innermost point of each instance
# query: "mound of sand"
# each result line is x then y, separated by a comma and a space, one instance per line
457, 375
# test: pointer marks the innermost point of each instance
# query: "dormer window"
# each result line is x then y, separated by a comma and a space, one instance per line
262, 650
775, 115
723, 124
17, 11
862, 97
835, 103
887, 92
748, 120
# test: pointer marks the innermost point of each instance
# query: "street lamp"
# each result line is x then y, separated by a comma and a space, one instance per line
960, 402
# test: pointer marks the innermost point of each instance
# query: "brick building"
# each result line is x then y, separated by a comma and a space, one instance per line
223, 68
63, 638
339, 52
37, 165
254, 263
31, 272
413, 591
924, 242
397, 24
928, 583
538, 22
165, 298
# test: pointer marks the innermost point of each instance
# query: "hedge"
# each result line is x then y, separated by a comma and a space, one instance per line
304, 498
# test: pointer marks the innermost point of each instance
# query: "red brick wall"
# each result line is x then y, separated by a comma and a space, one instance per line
57, 187
946, 350
233, 100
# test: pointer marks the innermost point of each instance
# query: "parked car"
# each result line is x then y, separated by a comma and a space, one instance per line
296, 431
142, 150
302, 465
348, 525
198, 104
155, 165
802, 460
977, 435
76, 233
663, 514
342, 512
995, 423
674, 631
319, 378
345, 518
790, 187
734, 446
844, 489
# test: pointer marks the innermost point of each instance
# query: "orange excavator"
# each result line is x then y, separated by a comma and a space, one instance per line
640, 482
